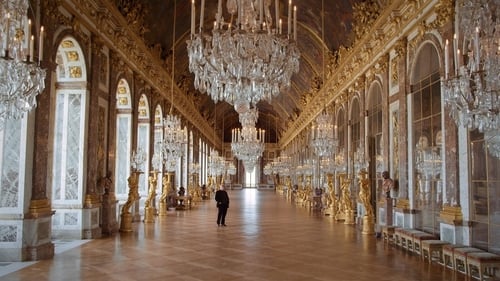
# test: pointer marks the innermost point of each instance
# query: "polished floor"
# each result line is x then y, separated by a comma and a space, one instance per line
267, 238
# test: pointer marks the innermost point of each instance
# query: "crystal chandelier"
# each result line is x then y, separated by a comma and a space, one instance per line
245, 61
472, 89
323, 137
138, 158
248, 143
216, 164
174, 140
360, 160
21, 78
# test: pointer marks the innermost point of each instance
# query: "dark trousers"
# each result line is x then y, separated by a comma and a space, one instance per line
221, 215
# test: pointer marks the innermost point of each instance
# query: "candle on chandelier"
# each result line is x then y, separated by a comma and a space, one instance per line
277, 13
193, 16
202, 13
289, 17
31, 47
28, 37
446, 62
8, 34
40, 47
219, 12
295, 23
261, 12
455, 48
280, 26
476, 47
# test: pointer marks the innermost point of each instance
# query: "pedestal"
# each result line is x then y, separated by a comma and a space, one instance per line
163, 209
149, 214
126, 222
388, 211
349, 218
368, 225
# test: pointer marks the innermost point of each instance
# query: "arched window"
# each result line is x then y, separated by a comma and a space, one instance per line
69, 138
123, 138
143, 137
427, 138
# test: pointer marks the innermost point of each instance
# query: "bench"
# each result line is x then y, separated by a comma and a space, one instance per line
407, 238
482, 265
460, 256
388, 233
418, 238
448, 255
433, 250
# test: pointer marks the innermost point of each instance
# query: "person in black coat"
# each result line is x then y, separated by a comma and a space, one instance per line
222, 204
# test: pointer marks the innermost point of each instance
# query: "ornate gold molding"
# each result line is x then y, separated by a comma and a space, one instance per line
39, 207
451, 214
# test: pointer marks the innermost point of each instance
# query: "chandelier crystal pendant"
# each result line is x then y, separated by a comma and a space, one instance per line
248, 143
472, 89
324, 135
245, 61
21, 79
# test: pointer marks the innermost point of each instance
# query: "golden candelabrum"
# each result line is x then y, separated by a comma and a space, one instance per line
331, 198
194, 188
346, 212
149, 206
307, 192
133, 195
166, 183
289, 188
365, 198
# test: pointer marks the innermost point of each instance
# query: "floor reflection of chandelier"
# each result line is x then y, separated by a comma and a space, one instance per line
248, 142
21, 79
472, 89
244, 61
174, 140
324, 140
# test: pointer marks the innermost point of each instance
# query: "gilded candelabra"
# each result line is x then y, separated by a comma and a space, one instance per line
133, 195
149, 206
346, 212
331, 201
365, 198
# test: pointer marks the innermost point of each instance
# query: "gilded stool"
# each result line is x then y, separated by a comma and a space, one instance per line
433, 250
482, 265
407, 238
460, 255
388, 233
417, 239
448, 255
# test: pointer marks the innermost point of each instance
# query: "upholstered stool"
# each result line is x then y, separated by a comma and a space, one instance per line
448, 255
433, 250
417, 239
388, 233
482, 265
460, 255
397, 236
407, 238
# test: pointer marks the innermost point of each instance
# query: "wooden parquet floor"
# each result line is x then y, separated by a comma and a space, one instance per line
267, 238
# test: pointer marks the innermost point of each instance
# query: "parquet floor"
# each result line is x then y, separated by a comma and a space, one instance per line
267, 238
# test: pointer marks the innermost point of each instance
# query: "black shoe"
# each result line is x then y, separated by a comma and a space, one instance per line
218, 224
223, 225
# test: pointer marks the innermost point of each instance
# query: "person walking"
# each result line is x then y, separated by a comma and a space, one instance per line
222, 204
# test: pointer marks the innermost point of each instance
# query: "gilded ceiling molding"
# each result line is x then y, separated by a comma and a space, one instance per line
105, 20
396, 20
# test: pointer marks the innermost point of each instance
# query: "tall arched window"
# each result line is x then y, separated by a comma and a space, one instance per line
143, 127
375, 136
69, 137
427, 138
123, 138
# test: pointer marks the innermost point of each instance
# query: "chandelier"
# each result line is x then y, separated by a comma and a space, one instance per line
21, 78
138, 158
245, 61
174, 140
248, 143
323, 137
472, 89
216, 164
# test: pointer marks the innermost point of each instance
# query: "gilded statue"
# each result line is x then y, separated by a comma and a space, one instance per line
152, 190
133, 193
345, 201
365, 192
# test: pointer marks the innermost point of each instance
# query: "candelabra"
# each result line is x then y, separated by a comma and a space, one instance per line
174, 140
21, 78
245, 61
248, 143
472, 89
324, 136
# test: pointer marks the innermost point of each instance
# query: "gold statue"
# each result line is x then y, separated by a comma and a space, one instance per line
364, 192
133, 195
152, 190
